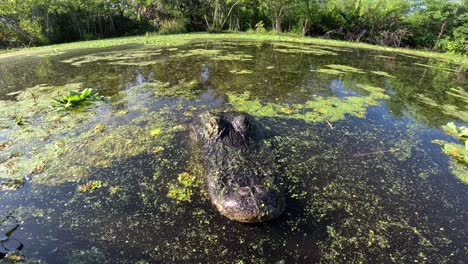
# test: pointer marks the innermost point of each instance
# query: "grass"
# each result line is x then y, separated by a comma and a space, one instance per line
178, 39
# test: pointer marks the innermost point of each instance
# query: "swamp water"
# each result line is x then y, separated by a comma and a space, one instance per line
351, 131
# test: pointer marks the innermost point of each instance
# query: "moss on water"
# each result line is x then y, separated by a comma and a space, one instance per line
241, 71
306, 51
127, 57
344, 68
183, 88
320, 109
459, 93
338, 69
460, 171
459, 152
12, 184
382, 73
197, 52
90, 186
234, 57
56, 147
361, 190
459, 112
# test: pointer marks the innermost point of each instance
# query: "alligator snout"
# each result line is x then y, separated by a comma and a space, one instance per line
250, 204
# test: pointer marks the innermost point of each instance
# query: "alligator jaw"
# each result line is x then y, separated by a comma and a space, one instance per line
248, 206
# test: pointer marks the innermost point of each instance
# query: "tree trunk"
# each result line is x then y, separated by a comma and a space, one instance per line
278, 24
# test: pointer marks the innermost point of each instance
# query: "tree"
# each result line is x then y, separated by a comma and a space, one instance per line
276, 10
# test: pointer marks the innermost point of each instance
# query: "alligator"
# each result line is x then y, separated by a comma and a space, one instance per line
239, 169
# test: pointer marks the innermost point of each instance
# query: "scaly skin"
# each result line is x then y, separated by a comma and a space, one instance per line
239, 173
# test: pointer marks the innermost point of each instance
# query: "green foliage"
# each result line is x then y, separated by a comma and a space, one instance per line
74, 99
173, 26
435, 24
19, 119
260, 27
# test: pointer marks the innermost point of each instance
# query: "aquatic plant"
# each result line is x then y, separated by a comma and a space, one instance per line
186, 179
74, 99
12, 184
14, 258
306, 51
461, 132
90, 186
114, 190
156, 132
344, 68
319, 109
382, 73
233, 57
459, 152
19, 119
241, 71
182, 191
459, 93
197, 52
130, 57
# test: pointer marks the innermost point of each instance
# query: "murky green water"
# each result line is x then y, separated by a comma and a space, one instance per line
351, 131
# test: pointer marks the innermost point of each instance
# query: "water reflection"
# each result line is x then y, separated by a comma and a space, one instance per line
368, 187
9, 246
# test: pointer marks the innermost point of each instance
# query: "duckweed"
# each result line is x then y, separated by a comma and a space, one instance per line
241, 71
90, 186
320, 109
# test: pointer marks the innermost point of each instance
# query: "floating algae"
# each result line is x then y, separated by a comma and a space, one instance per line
459, 112
127, 57
459, 93
382, 73
56, 147
330, 71
241, 71
320, 109
344, 68
459, 152
306, 51
337, 69
12, 184
362, 190
197, 52
183, 190
90, 186
189, 89
310, 49
233, 57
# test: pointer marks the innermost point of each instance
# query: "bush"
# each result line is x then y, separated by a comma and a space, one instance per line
260, 27
455, 46
172, 26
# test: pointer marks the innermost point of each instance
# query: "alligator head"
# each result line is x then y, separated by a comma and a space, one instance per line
240, 187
